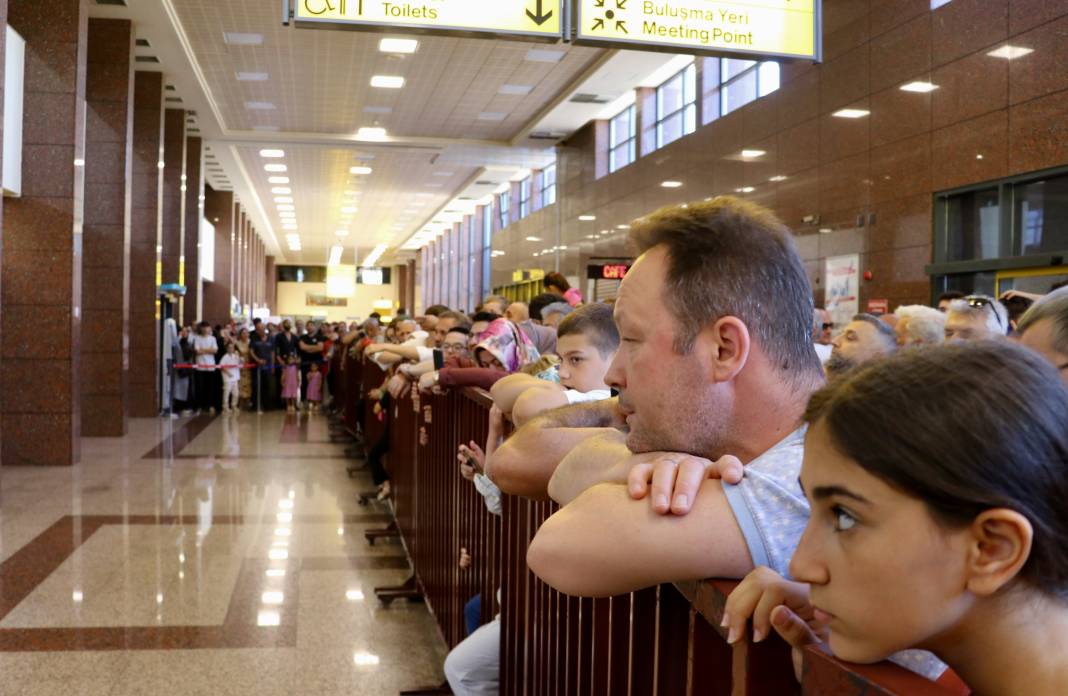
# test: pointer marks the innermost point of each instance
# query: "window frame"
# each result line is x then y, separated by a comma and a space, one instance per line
525, 187
548, 188
630, 142
503, 206
714, 82
689, 103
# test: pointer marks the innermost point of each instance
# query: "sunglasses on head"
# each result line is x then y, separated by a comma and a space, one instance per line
828, 326
979, 302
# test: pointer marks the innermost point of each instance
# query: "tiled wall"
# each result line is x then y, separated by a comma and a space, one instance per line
1012, 113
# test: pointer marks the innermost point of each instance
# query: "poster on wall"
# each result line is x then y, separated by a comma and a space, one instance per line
317, 300
842, 279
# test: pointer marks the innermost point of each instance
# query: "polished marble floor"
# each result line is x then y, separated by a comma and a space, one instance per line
204, 556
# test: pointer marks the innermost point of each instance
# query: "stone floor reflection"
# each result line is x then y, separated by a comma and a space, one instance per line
203, 556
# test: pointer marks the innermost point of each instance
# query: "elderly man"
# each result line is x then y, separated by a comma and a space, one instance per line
1044, 329
919, 325
517, 312
864, 339
976, 318
707, 367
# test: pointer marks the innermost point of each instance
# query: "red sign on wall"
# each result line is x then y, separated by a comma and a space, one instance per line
608, 271
878, 307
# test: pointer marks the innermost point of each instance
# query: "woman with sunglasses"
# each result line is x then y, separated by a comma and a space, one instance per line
937, 480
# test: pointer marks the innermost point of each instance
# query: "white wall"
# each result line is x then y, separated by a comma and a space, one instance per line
292, 298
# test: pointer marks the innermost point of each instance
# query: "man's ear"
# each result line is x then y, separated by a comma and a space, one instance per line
725, 345
999, 546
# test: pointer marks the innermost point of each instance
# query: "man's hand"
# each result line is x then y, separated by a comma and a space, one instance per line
676, 478
399, 386
428, 382
496, 421
375, 394
465, 559
472, 460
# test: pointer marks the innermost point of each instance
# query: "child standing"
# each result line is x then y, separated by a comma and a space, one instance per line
231, 377
315, 387
291, 383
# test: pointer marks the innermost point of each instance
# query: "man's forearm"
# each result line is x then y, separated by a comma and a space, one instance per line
535, 401
525, 462
508, 390
595, 414
600, 459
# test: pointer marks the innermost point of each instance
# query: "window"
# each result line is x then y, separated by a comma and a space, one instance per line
524, 198
732, 83
676, 107
548, 185
973, 226
622, 138
503, 206
1041, 215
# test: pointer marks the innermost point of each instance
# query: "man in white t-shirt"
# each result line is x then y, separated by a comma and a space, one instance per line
205, 347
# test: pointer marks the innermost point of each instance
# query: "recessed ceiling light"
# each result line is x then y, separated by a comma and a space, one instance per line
252, 77
278, 179
259, 106
378, 109
289, 226
387, 81
271, 129
398, 45
533, 239
622, 227
541, 55
745, 189
587, 218
851, 113
348, 209
236, 38
778, 177
1010, 52
919, 86
492, 116
371, 134
272, 154
671, 184
282, 190
285, 207
749, 154
444, 173
275, 167
342, 233
283, 199
515, 90
361, 170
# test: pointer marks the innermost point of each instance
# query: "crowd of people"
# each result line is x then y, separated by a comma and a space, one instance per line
258, 367
892, 489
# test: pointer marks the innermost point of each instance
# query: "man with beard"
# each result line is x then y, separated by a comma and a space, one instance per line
862, 340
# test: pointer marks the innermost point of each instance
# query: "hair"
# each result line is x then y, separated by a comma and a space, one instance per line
1058, 285
561, 308
1017, 306
374, 315
436, 310
1055, 308
997, 319
539, 302
882, 329
485, 316
462, 320
595, 322
729, 257
502, 301
972, 442
465, 330
924, 323
557, 280
950, 295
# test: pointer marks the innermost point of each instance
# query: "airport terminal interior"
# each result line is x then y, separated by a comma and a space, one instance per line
308, 306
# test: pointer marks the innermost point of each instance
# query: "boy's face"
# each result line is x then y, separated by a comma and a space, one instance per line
582, 367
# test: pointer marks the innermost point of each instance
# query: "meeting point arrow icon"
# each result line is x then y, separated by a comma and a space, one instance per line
537, 16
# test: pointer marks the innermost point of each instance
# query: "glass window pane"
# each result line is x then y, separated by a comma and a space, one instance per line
740, 92
733, 67
769, 77
690, 115
1042, 215
691, 84
973, 229
710, 107
669, 130
669, 97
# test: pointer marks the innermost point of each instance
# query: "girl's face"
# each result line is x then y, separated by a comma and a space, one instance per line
486, 359
885, 575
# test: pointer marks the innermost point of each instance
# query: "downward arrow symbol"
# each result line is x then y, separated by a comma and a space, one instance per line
537, 16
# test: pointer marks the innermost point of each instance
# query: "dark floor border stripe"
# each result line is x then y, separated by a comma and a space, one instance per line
180, 438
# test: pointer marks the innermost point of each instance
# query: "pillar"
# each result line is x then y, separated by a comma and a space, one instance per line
3, 47
41, 261
271, 273
106, 262
219, 210
146, 219
194, 192
173, 200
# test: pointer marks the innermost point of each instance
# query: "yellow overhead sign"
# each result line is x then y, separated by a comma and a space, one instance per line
526, 18
784, 28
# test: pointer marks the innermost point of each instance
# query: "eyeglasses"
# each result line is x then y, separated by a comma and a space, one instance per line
828, 326
453, 347
978, 302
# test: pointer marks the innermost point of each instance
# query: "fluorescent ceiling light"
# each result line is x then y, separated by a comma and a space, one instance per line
278, 180
348, 209
778, 177
1010, 52
361, 170
443, 173
533, 239
492, 116
287, 214
272, 154
919, 86
259, 106
342, 233
378, 109
285, 207
626, 227
587, 218
289, 226
387, 81
541, 55
851, 113
335, 255
236, 38
283, 199
282, 190
275, 167
398, 45
515, 90
252, 77
671, 184
748, 154
373, 257
745, 189
371, 134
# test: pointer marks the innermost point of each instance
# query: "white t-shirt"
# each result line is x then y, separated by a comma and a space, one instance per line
231, 364
207, 359
576, 397
823, 351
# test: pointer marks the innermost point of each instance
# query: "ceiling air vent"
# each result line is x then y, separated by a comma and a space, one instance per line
146, 59
485, 183
588, 99
120, 3
142, 43
546, 135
